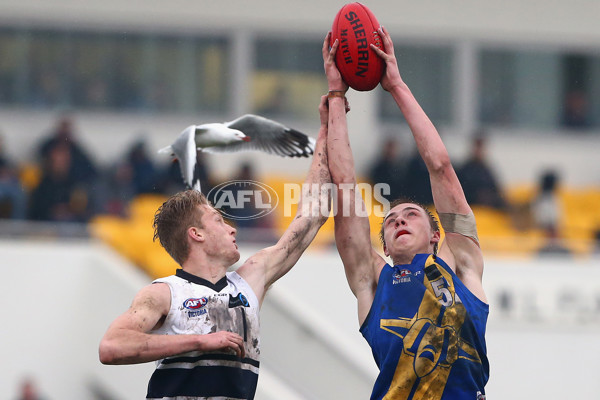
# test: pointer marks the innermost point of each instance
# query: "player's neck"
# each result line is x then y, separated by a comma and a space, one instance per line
205, 267
401, 259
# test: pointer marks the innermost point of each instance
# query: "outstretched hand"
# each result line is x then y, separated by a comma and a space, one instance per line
334, 78
391, 77
224, 340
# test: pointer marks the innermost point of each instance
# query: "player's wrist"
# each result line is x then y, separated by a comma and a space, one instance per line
338, 88
331, 94
199, 342
397, 85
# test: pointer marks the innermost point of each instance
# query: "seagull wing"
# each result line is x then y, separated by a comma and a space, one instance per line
184, 149
268, 136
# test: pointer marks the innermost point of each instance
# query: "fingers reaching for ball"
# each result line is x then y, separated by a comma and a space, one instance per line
391, 76
388, 47
334, 78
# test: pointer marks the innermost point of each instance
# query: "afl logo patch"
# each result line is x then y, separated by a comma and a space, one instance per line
194, 304
401, 276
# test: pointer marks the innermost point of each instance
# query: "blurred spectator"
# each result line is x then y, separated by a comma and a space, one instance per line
546, 213
12, 196
116, 190
576, 110
29, 390
58, 197
389, 169
145, 179
417, 184
546, 205
477, 178
82, 169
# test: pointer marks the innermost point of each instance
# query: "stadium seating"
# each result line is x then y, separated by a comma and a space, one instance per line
501, 233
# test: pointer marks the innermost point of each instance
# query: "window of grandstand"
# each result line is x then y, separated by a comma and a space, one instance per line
113, 71
539, 89
11, 82
288, 78
428, 71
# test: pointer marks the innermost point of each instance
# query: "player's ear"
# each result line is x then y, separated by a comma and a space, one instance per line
435, 238
196, 234
385, 250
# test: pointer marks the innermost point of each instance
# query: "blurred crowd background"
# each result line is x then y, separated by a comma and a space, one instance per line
68, 73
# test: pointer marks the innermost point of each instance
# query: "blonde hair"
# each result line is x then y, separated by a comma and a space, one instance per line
172, 220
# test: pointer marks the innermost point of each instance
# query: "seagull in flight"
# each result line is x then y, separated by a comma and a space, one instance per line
248, 132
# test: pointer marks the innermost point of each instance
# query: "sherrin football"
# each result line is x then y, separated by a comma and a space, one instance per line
355, 26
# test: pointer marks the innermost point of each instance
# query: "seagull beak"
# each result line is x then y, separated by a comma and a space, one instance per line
246, 138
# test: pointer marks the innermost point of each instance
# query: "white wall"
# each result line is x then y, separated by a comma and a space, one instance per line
57, 301
58, 298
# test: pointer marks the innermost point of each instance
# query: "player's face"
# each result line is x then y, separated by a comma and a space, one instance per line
220, 236
407, 231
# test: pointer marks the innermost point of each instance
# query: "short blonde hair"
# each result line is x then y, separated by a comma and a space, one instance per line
172, 220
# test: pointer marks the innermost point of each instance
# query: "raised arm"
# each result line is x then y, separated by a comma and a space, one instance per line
128, 341
362, 264
460, 248
265, 267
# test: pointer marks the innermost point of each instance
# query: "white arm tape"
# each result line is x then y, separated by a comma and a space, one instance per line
460, 223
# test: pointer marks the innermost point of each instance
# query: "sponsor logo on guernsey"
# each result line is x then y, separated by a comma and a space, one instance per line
238, 300
480, 396
401, 276
196, 305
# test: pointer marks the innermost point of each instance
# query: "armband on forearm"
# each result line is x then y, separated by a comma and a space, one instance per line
460, 223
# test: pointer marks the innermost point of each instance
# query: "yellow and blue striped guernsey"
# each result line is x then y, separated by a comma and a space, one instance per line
426, 331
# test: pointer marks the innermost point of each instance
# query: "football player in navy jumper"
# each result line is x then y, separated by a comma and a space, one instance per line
201, 325
424, 314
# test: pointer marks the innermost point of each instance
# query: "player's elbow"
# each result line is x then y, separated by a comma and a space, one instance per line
440, 165
107, 353
315, 218
315, 211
